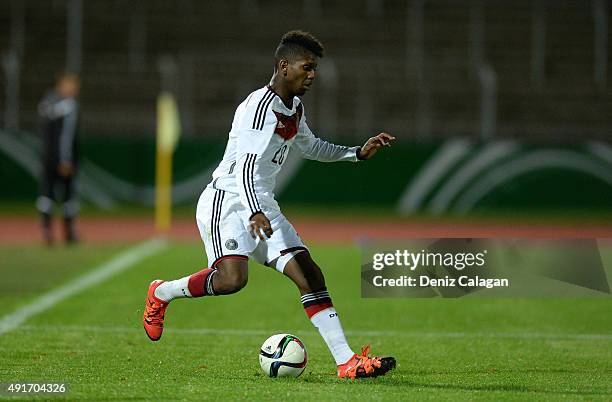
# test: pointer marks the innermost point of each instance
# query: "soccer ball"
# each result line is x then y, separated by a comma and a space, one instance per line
283, 355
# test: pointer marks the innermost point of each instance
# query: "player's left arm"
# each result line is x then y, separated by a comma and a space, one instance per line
373, 144
320, 150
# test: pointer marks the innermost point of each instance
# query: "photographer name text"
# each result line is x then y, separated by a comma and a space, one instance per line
423, 259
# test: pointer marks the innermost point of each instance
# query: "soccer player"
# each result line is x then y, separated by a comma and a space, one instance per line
59, 113
239, 218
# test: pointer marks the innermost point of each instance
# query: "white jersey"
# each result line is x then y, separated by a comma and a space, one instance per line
262, 134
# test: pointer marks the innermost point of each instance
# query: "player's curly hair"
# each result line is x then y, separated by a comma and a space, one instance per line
297, 43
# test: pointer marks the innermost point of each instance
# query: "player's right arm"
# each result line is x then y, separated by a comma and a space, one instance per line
254, 129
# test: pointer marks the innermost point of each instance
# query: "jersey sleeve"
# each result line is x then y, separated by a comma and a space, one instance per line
320, 150
254, 130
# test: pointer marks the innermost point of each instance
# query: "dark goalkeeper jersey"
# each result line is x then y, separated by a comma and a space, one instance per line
59, 128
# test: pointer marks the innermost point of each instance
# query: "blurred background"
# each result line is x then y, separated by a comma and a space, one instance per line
502, 111
500, 107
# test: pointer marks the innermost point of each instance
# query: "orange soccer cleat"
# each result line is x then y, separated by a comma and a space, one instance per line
364, 366
155, 310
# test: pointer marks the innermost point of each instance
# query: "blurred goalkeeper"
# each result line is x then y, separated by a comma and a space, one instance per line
239, 218
59, 114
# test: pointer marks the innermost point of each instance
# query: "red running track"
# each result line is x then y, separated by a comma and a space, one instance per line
23, 231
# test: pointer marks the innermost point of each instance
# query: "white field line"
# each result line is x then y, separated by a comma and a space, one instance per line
261, 332
118, 264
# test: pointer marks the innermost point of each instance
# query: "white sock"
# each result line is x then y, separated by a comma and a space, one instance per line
171, 290
328, 324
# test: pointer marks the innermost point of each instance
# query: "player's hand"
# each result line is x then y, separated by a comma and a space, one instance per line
65, 170
372, 145
259, 226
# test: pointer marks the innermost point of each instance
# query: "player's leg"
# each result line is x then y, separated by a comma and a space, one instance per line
70, 208
289, 256
226, 277
309, 279
227, 250
45, 202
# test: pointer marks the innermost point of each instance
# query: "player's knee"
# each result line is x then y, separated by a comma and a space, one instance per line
235, 280
239, 280
311, 270
231, 277
305, 273
313, 285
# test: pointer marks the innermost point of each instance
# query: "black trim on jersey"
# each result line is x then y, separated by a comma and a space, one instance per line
232, 166
244, 183
257, 110
272, 89
218, 223
252, 183
213, 219
264, 114
229, 256
255, 213
290, 107
248, 182
214, 225
262, 107
292, 249
212, 222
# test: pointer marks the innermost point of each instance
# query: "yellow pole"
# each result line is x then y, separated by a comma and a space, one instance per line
163, 190
168, 131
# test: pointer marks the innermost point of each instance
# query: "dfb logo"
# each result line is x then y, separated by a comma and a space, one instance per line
231, 244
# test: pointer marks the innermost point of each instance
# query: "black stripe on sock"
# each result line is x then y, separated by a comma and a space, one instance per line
317, 301
314, 297
209, 283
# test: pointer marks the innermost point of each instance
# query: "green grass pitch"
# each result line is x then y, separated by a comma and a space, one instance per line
452, 349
